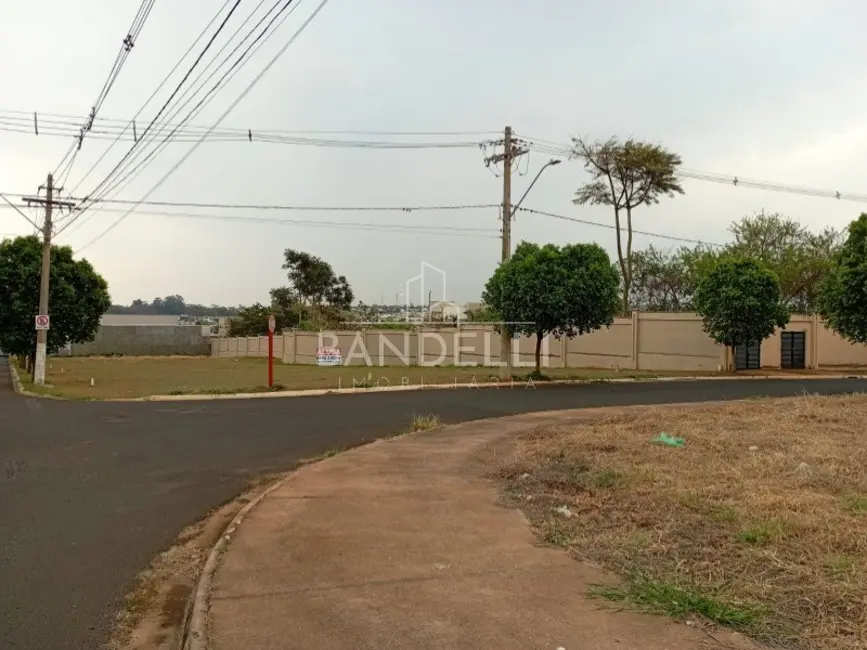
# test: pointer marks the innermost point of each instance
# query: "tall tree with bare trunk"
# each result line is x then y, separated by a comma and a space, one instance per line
626, 175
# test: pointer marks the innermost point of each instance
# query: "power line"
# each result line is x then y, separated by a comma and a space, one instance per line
342, 208
613, 227
177, 89
388, 227
184, 135
154, 94
118, 183
19, 211
125, 48
551, 148
118, 180
24, 120
221, 118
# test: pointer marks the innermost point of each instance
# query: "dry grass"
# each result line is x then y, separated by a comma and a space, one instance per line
759, 522
128, 377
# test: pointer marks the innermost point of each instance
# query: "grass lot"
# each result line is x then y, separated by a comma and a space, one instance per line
125, 377
759, 522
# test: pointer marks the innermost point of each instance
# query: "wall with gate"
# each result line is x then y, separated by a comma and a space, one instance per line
646, 341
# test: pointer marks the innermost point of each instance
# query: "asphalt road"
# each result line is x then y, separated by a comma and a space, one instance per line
91, 492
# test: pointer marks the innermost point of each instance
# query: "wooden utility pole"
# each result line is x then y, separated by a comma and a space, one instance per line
42, 318
510, 153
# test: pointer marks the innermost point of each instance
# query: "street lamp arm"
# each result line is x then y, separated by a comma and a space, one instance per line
550, 163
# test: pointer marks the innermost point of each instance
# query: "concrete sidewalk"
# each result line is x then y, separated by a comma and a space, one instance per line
401, 545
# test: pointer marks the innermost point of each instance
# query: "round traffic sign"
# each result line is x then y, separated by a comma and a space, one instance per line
272, 323
42, 321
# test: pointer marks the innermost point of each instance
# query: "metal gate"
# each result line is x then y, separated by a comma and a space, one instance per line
793, 349
748, 356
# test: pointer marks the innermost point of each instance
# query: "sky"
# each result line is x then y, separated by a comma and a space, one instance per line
765, 89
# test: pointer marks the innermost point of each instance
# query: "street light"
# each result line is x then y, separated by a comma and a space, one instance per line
550, 163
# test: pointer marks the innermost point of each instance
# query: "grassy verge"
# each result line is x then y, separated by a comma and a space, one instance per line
758, 523
131, 377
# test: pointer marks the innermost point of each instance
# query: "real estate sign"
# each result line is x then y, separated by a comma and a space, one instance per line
329, 357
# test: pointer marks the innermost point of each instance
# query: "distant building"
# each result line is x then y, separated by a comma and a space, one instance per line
447, 311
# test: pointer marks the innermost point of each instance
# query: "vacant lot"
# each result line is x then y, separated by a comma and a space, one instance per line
125, 377
758, 522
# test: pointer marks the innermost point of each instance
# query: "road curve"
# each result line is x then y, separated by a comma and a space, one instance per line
91, 492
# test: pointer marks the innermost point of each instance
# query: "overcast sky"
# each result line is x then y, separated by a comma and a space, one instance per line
764, 89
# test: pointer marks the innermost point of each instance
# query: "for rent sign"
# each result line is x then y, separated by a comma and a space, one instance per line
328, 357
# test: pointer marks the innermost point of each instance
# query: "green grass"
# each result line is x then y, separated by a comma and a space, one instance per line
839, 565
856, 504
681, 600
136, 377
424, 422
764, 533
606, 478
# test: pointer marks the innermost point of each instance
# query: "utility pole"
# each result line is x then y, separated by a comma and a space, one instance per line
510, 153
42, 319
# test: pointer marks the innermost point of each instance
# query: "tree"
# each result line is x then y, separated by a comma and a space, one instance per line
171, 306
77, 298
799, 257
174, 305
843, 293
315, 283
626, 175
565, 291
739, 300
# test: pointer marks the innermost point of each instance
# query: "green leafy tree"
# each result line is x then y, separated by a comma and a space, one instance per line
626, 175
77, 299
843, 294
316, 285
666, 280
739, 300
800, 258
565, 291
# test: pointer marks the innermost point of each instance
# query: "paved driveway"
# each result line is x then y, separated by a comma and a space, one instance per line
91, 492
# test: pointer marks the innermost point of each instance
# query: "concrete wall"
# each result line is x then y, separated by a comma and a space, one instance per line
646, 341
144, 340
137, 319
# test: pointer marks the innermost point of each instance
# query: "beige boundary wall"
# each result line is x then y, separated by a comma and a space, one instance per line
646, 341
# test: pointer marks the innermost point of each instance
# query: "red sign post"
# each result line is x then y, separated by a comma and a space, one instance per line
272, 325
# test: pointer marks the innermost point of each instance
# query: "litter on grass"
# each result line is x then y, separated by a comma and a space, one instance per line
665, 439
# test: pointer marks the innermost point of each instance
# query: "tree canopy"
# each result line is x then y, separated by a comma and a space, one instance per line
666, 280
625, 175
739, 300
800, 258
315, 296
77, 298
314, 281
843, 294
544, 290
173, 305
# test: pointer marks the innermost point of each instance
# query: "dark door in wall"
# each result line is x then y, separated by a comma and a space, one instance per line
793, 349
748, 356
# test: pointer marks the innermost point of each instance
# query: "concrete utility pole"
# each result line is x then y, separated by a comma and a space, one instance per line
510, 153
42, 319
42, 334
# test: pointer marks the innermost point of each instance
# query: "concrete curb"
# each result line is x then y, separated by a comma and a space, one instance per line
195, 631
514, 384
19, 389
522, 384
16, 380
